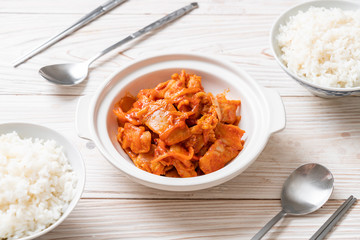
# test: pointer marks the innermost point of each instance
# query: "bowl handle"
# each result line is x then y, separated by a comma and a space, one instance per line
277, 110
82, 117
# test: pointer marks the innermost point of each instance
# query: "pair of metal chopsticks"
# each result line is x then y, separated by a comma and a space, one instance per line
97, 12
330, 223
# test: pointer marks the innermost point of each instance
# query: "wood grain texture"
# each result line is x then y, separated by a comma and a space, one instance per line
325, 131
148, 7
195, 219
242, 39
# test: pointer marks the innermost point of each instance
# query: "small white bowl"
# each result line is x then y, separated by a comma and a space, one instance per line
27, 130
262, 113
316, 89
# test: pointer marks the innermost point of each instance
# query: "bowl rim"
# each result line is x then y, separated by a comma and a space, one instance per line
194, 183
302, 80
81, 179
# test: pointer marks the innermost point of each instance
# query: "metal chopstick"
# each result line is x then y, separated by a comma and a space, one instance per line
97, 12
334, 218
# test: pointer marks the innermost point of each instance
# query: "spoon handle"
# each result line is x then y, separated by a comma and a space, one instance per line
269, 225
97, 12
157, 24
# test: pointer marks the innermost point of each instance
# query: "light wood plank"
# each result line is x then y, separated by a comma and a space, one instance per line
318, 130
141, 7
195, 219
242, 39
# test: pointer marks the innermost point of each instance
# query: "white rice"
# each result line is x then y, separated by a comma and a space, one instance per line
323, 46
36, 185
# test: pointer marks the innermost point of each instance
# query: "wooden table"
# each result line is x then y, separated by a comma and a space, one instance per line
325, 131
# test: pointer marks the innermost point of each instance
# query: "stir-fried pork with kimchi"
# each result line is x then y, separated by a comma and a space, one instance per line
178, 130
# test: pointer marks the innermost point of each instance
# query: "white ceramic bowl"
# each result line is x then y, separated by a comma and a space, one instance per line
26, 130
262, 113
316, 89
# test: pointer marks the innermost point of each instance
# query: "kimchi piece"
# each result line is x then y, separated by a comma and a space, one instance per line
177, 129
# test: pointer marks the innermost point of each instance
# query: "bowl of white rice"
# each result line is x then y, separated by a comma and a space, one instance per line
42, 177
317, 44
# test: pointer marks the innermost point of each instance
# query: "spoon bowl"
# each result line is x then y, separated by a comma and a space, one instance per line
65, 74
304, 191
307, 189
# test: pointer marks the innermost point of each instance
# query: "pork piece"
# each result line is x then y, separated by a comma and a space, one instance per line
204, 149
170, 87
143, 160
199, 137
203, 131
127, 102
195, 141
157, 168
208, 121
163, 119
175, 156
178, 83
190, 101
226, 147
185, 94
217, 156
176, 134
145, 97
123, 117
135, 138
184, 170
231, 135
130, 110
194, 82
172, 173
228, 109
173, 87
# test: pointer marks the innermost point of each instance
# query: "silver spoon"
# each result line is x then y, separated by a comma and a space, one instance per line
305, 191
75, 73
